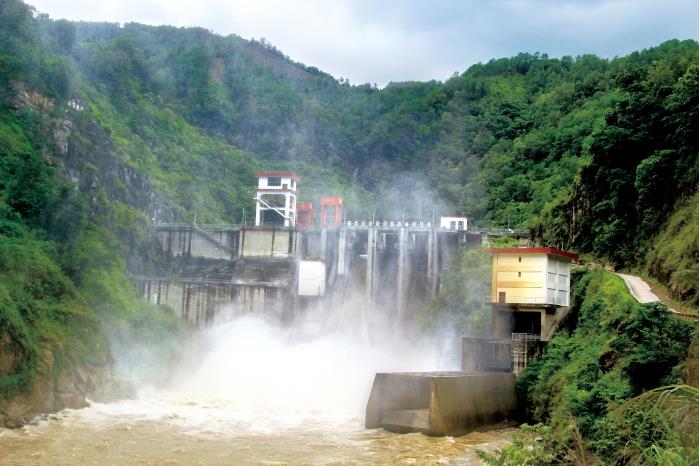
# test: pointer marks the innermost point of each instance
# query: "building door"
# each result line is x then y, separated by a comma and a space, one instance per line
502, 298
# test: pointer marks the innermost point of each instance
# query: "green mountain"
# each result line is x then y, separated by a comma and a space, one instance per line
592, 154
105, 128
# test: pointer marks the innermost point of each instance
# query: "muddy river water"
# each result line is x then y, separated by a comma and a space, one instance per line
169, 432
255, 396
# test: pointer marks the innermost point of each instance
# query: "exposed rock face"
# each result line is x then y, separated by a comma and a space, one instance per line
84, 155
91, 162
61, 134
59, 386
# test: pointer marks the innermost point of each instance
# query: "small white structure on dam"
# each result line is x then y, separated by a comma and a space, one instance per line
276, 199
453, 223
311, 278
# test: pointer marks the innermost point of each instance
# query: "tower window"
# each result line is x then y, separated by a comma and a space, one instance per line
274, 181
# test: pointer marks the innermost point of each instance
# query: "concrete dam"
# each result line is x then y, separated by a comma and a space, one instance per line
394, 266
286, 267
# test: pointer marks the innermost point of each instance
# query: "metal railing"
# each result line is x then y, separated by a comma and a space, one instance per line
221, 226
520, 350
526, 300
423, 224
526, 337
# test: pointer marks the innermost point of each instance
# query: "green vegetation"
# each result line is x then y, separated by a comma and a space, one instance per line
674, 258
595, 385
591, 154
62, 270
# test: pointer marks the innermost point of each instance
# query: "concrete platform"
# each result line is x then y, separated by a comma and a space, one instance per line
439, 403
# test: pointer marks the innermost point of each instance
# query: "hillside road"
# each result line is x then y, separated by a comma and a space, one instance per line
639, 289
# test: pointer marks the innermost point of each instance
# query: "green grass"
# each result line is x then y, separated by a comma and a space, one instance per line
673, 259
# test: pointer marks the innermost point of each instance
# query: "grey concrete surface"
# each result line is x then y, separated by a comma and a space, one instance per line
639, 289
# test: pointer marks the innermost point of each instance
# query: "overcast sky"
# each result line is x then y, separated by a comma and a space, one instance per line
383, 41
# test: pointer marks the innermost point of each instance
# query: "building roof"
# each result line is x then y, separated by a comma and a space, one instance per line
542, 250
291, 175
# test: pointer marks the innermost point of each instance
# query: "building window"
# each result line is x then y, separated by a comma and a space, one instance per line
461, 225
520, 259
452, 225
274, 181
519, 274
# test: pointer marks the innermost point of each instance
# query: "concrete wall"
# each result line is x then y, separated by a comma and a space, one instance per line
202, 302
267, 242
558, 280
450, 403
397, 267
198, 242
486, 355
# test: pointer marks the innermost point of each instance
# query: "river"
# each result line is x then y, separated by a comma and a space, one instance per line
258, 394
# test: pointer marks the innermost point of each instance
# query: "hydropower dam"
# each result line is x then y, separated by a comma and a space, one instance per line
302, 354
371, 274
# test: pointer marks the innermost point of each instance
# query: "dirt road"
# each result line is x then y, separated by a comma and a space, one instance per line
641, 291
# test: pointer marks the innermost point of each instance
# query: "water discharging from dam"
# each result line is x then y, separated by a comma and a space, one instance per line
257, 394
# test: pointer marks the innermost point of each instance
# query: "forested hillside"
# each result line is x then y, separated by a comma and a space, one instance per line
592, 154
105, 128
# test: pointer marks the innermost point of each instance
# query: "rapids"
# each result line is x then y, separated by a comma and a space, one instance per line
255, 393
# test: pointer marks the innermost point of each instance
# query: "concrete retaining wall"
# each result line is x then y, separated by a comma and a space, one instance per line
439, 403
201, 302
198, 242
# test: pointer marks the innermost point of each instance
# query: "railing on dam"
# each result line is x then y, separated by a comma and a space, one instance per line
220, 226
359, 225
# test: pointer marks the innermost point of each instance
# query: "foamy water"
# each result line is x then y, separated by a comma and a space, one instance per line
257, 394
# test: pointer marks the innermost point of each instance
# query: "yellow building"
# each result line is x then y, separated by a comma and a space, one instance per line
530, 289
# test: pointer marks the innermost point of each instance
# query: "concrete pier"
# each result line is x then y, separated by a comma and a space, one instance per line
439, 403
402, 278
370, 264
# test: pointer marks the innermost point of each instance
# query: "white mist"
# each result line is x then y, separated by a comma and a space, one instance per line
259, 368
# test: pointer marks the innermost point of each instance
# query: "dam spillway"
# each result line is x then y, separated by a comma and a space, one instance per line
395, 266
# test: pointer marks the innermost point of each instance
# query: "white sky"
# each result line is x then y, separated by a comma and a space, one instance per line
383, 41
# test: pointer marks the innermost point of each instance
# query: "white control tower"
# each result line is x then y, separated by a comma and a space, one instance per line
276, 199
